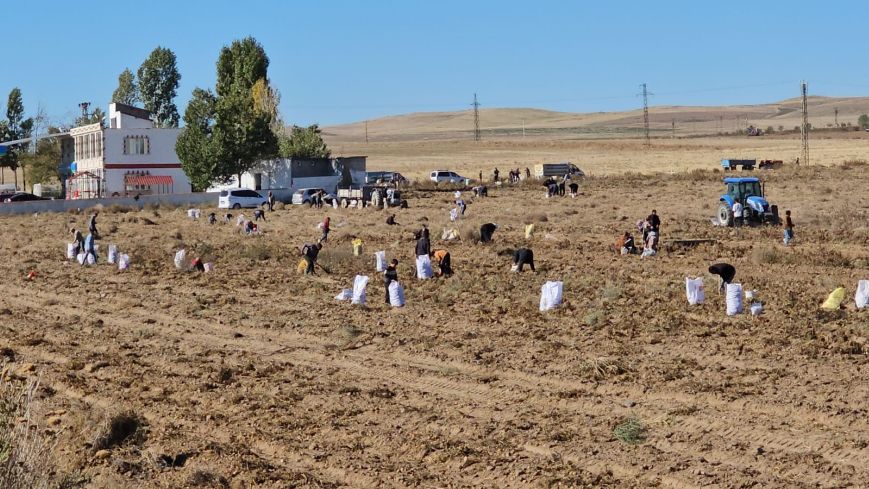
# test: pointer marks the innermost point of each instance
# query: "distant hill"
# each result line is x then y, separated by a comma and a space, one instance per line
688, 120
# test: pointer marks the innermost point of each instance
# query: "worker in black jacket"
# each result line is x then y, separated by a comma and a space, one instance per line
486, 232
310, 252
725, 272
389, 275
423, 246
522, 257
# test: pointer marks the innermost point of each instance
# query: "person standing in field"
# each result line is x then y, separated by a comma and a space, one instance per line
92, 224
271, 201
309, 253
78, 239
789, 228
654, 221
325, 228
737, 213
390, 275
496, 174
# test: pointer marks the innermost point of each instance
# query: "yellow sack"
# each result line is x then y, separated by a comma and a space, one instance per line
357, 247
529, 231
303, 264
834, 300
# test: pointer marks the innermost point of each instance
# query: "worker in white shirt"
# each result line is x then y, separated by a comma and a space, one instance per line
737, 213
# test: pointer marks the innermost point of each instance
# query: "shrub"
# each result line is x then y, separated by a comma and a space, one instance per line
118, 429
25, 457
630, 431
768, 255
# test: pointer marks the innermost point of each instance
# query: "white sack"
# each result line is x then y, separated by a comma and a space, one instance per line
756, 308
380, 261
551, 295
180, 259
123, 262
734, 299
193, 213
423, 267
113, 254
862, 296
71, 249
91, 259
344, 295
80, 258
454, 214
359, 284
396, 294
208, 267
694, 290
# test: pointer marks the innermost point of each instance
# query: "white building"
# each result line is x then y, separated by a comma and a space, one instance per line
283, 176
129, 157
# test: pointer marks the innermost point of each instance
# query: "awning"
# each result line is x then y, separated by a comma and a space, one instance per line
147, 180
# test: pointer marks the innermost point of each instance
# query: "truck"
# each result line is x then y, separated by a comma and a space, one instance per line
354, 196
732, 164
547, 170
750, 192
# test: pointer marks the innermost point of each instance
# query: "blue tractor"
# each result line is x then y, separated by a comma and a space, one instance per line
750, 192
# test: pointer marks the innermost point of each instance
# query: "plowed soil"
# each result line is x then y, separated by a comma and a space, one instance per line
258, 377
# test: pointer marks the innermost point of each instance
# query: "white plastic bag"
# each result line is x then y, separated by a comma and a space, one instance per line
734, 299
80, 258
380, 261
123, 262
113, 254
180, 259
862, 296
750, 295
694, 290
648, 252
71, 249
551, 295
334, 203
756, 308
91, 259
423, 267
454, 214
344, 295
193, 213
359, 284
208, 267
396, 294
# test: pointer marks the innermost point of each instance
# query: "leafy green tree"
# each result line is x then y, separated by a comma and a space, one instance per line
158, 84
15, 127
863, 121
194, 145
45, 164
242, 132
304, 142
127, 93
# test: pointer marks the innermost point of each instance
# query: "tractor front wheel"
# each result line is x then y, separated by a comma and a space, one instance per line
725, 215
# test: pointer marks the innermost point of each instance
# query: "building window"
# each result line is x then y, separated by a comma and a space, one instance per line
136, 145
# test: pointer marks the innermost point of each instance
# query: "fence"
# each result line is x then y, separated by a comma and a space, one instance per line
199, 198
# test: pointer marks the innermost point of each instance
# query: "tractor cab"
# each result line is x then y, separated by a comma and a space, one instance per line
750, 192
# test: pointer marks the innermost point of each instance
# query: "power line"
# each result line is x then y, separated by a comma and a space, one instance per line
804, 129
646, 114
476, 106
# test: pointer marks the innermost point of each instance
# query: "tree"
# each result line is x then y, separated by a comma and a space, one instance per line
304, 142
158, 84
127, 93
15, 127
45, 164
96, 116
242, 130
863, 121
194, 145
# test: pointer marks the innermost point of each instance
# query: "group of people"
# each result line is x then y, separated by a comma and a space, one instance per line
556, 187
86, 244
651, 229
514, 175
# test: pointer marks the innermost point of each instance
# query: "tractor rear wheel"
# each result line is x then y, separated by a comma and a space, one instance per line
725, 215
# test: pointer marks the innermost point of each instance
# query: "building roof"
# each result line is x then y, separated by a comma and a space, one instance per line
147, 180
132, 111
741, 180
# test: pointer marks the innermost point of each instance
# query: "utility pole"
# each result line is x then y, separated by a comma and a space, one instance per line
674, 128
476, 106
804, 128
366, 132
836, 116
84, 109
646, 114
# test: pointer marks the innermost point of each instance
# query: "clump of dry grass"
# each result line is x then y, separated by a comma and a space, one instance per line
118, 429
202, 478
602, 367
25, 457
469, 233
768, 255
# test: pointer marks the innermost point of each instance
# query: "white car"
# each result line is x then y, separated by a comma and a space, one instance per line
240, 197
447, 176
306, 196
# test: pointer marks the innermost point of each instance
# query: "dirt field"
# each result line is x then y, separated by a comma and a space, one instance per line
254, 376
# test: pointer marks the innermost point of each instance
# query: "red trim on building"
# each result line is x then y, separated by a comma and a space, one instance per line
139, 166
147, 180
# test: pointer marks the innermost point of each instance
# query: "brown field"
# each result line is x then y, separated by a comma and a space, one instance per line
261, 379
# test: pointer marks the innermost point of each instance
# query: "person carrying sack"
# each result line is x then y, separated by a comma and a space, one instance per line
309, 253
390, 274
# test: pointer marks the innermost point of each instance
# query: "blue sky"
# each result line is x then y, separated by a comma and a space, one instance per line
344, 61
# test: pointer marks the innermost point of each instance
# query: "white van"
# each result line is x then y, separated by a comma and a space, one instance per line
447, 176
239, 197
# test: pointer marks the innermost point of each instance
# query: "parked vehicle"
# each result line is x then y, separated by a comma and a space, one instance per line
352, 197
306, 196
750, 192
20, 197
240, 197
448, 176
732, 164
547, 170
384, 178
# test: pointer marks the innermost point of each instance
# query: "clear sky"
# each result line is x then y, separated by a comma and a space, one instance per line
344, 61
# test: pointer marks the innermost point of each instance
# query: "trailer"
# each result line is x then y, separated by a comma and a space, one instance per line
547, 170
732, 164
354, 196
